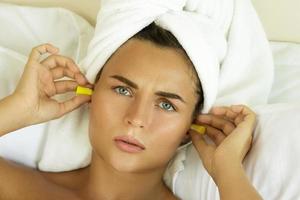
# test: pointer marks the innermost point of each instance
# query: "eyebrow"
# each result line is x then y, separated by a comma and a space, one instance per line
169, 95
126, 81
158, 93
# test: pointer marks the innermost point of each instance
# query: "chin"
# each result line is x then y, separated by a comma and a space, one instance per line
136, 164
129, 164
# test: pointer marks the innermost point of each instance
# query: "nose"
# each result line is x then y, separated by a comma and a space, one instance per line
138, 113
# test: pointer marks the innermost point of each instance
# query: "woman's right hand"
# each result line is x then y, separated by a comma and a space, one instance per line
39, 83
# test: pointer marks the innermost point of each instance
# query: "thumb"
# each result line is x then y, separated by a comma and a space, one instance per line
72, 104
204, 150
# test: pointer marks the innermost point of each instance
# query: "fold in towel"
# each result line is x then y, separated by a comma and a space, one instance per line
200, 26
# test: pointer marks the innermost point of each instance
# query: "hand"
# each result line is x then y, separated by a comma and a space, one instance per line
39, 83
230, 129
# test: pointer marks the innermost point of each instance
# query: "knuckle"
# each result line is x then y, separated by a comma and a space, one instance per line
40, 46
50, 57
67, 59
229, 127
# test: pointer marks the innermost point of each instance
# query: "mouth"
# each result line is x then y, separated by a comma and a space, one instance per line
128, 144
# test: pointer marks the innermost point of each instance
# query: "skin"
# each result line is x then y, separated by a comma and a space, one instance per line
140, 111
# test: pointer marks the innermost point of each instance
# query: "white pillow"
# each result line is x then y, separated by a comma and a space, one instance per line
286, 86
272, 165
22, 28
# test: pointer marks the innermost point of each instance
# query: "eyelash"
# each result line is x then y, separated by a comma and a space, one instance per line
122, 87
172, 106
165, 101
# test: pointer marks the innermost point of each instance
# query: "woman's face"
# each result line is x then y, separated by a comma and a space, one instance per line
145, 93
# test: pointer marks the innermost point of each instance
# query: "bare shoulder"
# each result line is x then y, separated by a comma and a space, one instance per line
20, 182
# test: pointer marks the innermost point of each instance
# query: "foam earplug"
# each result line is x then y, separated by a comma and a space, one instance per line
199, 129
84, 90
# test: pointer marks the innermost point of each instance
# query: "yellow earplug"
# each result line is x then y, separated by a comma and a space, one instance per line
84, 90
199, 129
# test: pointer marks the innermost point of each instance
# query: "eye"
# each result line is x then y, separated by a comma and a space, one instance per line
122, 90
167, 106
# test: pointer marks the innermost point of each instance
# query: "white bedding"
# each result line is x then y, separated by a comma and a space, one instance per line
286, 86
23, 28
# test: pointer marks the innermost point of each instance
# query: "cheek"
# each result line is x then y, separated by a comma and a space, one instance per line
169, 132
105, 115
106, 108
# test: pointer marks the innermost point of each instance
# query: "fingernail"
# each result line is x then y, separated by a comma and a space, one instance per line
199, 129
84, 90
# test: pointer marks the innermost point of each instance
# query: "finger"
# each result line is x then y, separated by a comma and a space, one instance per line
245, 114
198, 142
242, 109
59, 60
217, 122
65, 86
60, 72
54, 61
73, 103
204, 150
81, 79
214, 134
239, 119
40, 50
225, 112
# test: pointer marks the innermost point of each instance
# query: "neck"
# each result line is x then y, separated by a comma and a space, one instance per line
105, 182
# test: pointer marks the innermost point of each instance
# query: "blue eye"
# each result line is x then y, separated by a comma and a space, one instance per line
167, 106
122, 90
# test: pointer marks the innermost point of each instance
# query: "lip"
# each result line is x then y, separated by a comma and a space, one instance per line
128, 144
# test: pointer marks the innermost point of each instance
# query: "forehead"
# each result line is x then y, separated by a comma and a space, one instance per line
144, 60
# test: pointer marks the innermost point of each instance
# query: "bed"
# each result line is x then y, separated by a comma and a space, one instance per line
279, 19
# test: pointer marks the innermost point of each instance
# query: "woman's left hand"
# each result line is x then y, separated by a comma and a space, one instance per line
230, 129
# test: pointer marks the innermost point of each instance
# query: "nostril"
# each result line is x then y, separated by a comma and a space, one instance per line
137, 124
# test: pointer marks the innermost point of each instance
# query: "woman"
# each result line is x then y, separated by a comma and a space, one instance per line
144, 101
